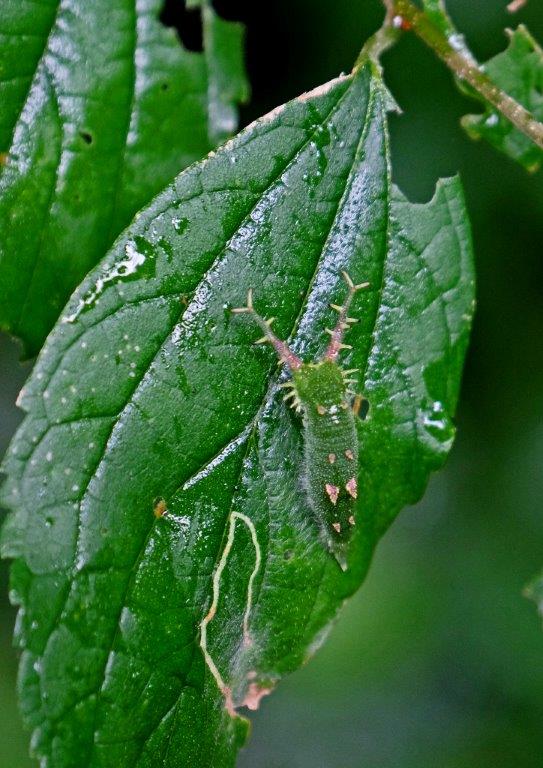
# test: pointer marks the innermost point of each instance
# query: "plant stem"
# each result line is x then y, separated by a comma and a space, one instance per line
377, 44
406, 14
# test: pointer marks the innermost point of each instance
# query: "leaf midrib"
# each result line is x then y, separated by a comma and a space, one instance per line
276, 177
32, 79
44, 230
273, 382
253, 423
32, 76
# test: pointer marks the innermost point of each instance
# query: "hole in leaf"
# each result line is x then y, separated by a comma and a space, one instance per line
186, 22
273, 77
86, 136
364, 408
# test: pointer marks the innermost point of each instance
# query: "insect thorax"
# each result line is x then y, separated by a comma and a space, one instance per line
320, 384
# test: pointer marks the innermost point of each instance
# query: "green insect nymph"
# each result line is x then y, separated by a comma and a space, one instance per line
320, 392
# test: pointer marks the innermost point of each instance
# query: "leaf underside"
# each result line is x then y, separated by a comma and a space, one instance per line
519, 72
149, 387
101, 108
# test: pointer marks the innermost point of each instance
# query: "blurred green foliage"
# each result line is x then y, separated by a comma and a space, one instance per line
438, 660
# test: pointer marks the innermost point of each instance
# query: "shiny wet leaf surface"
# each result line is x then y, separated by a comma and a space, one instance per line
101, 108
152, 416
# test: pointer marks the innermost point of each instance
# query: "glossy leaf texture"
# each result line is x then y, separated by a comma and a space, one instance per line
150, 388
519, 72
101, 107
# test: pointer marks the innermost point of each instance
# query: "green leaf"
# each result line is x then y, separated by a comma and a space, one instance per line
101, 108
228, 85
519, 72
151, 395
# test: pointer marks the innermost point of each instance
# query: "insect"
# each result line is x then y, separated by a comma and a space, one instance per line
320, 392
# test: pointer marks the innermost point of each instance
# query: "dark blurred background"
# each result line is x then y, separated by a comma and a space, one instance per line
438, 661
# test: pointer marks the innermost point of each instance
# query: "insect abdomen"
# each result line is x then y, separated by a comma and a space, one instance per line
331, 452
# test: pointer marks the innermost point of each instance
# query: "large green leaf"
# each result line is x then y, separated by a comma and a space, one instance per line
519, 72
100, 108
150, 388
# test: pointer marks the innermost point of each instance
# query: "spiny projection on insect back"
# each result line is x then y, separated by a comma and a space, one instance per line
321, 392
